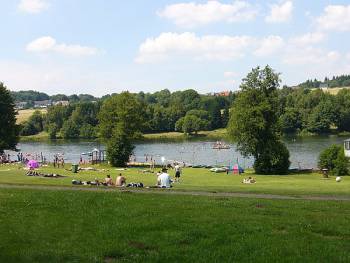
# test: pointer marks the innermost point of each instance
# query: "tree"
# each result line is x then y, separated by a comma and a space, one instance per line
273, 160
121, 110
119, 148
87, 131
33, 125
254, 122
192, 123
225, 117
52, 129
70, 130
121, 121
290, 120
9, 131
333, 159
343, 100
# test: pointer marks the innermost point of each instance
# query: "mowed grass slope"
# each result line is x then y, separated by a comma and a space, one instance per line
70, 226
191, 180
24, 115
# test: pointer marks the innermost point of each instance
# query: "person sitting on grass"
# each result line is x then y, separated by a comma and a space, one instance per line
120, 181
164, 180
108, 180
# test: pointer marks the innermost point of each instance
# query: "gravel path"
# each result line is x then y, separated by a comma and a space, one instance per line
178, 192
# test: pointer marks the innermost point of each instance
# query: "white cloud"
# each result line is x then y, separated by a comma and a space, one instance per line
209, 47
308, 39
230, 74
49, 44
32, 6
52, 77
269, 46
280, 13
310, 56
335, 17
192, 14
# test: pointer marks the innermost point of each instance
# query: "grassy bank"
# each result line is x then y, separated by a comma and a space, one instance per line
67, 226
42, 136
192, 180
215, 134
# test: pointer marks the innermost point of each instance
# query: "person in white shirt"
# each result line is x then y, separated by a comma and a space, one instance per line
177, 172
164, 180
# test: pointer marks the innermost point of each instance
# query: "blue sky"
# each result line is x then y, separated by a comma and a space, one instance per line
100, 47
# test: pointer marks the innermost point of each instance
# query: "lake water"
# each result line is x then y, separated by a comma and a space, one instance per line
304, 151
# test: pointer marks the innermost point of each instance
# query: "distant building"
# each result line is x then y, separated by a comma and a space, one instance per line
61, 103
324, 87
42, 103
222, 94
347, 148
19, 105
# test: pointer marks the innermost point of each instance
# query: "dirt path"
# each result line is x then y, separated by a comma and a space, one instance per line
179, 192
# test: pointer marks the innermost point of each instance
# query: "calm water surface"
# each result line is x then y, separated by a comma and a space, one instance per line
304, 151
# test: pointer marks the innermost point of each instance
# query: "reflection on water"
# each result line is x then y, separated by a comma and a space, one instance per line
304, 151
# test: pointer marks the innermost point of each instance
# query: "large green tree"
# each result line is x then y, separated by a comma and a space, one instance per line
121, 121
254, 122
8, 129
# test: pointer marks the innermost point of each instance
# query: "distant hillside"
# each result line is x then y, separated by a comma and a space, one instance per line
334, 82
30, 96
333, 91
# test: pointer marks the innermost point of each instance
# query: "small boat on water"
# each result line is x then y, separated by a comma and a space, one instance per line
221, 146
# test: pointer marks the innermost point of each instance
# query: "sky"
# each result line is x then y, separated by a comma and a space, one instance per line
104, 46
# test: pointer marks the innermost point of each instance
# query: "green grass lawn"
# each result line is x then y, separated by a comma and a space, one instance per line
193, 180
71, 226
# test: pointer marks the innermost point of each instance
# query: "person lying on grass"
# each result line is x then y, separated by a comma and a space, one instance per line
249, 180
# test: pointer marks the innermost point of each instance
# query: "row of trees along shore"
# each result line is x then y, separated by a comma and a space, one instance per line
123, 117
256, 117
299, 110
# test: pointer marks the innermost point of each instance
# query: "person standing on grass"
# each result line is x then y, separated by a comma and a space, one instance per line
177, 172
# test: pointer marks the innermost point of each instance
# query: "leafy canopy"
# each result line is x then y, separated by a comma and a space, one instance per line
8, 129
123, 112
254, 122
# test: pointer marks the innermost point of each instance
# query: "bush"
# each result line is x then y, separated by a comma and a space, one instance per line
273, 160
334, 160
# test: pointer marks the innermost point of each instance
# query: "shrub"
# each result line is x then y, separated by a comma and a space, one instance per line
334, 160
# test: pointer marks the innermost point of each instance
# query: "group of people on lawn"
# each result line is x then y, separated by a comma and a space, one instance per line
163, 178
